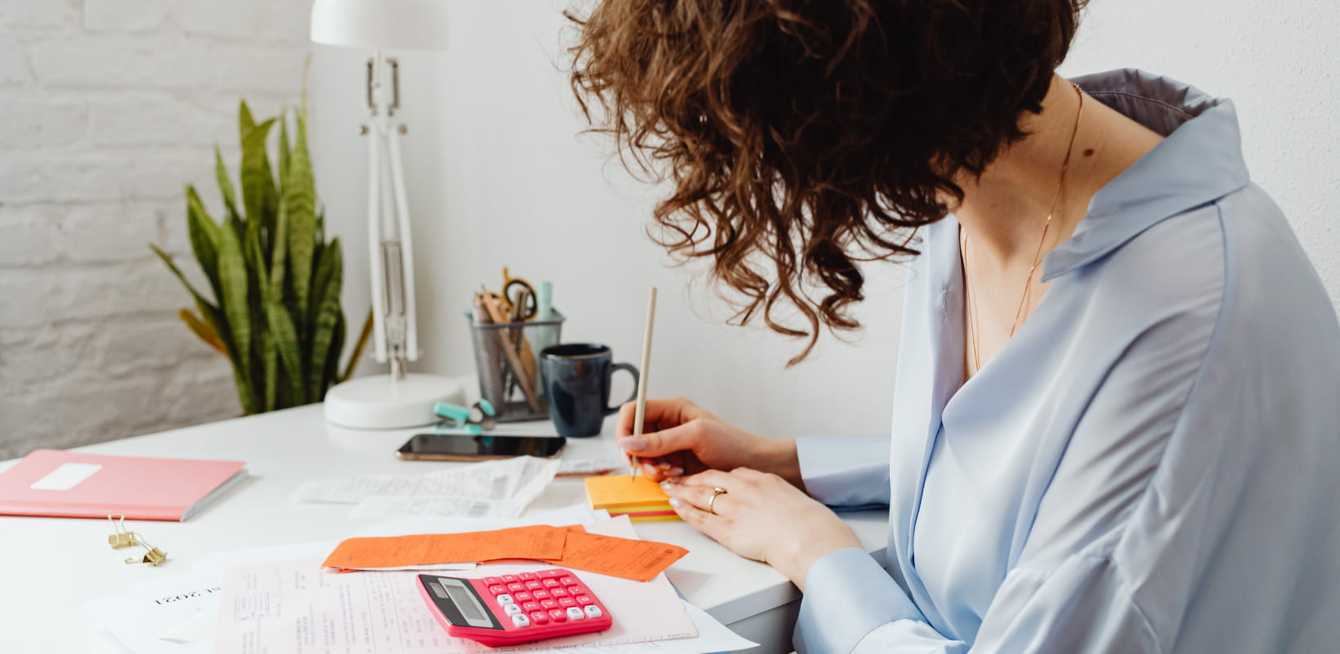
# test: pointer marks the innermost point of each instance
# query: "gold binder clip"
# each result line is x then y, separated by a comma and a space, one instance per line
120, 538
152, 556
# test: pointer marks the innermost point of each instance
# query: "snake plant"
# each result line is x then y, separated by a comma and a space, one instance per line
275, 280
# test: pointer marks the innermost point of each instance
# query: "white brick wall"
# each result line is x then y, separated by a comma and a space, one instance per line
107, 107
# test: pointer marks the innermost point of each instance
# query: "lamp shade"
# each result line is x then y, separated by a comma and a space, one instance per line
381, 24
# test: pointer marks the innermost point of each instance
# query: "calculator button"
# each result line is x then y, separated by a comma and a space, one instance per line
558, 592
531, 606
509, 578
516, 586
584, 600
575, 613
567, 581
551, 583
533, 585
520, 620
492, 581
565, 602
497, 589
549, 604
505, 599
557, 615
512, 609
592, 611
539, 617
540, 594
523, 596
552, 573
575, 590
528, 575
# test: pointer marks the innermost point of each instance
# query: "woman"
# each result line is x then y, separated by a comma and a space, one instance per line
1115, 420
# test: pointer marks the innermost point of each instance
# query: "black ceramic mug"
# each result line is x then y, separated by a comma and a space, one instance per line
577, 382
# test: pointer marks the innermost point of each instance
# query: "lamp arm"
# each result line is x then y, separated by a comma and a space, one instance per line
406, 242
376, 260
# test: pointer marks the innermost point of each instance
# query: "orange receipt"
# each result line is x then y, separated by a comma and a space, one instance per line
639, 560
540, 542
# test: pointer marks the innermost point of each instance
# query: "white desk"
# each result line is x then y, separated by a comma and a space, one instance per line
47, 566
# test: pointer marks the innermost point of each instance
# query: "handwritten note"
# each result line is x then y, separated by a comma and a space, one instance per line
539, 542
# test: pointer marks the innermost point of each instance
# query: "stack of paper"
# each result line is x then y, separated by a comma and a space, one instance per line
279, 599
569, 547
639, 498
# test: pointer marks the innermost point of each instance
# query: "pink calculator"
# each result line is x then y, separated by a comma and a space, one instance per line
514, 609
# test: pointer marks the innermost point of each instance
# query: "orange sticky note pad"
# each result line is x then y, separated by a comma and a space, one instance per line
640, 560
541, 542
616, 491
638, 497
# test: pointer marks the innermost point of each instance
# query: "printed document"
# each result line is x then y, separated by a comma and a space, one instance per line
492, 489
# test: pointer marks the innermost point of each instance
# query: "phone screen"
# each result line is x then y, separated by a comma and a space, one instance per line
453, 446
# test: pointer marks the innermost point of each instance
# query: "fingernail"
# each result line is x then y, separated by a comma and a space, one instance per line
634, 443
664, 466
666, 486
675, 472
674, 501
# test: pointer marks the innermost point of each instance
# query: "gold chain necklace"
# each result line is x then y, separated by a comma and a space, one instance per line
974, 325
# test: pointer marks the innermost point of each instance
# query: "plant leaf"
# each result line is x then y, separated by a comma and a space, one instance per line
256, 261
283, 146
245, 397
285, 337
204, 235
300, 206
270, 369
225, 182
330, 271
172, 266
363, 335
277, 258
202, 330
258, 184
331, 374
233, 281
245, 121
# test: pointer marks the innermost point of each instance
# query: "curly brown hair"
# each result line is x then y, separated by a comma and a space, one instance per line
806, 136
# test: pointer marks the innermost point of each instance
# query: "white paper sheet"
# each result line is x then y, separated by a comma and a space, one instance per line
500, 489
151, 617
293, 606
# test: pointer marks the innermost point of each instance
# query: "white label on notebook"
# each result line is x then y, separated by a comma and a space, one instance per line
65, 477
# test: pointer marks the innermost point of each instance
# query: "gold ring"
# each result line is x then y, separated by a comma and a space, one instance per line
717, 491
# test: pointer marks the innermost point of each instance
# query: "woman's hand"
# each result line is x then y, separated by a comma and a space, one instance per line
762, 517
680, 438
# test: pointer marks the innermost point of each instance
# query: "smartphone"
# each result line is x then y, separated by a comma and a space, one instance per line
460, 447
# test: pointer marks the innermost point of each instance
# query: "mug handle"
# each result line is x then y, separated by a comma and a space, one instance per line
636, 380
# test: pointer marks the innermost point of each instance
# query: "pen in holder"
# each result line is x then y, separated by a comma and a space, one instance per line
506, 379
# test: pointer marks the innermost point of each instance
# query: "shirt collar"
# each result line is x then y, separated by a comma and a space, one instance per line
1199, 161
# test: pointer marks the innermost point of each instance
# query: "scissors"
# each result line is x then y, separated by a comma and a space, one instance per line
519, 295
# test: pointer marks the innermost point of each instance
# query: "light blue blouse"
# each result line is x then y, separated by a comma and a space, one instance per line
1152, 464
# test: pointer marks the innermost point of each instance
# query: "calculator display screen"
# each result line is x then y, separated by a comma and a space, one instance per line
465, 601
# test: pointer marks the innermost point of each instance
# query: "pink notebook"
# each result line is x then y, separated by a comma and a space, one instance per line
59, 484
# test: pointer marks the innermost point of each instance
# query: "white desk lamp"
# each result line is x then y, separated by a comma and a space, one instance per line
400, 399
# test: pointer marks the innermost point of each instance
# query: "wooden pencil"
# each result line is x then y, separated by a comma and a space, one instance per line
644, 373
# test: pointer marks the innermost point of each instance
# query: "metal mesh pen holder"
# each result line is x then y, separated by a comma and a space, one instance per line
501, 352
